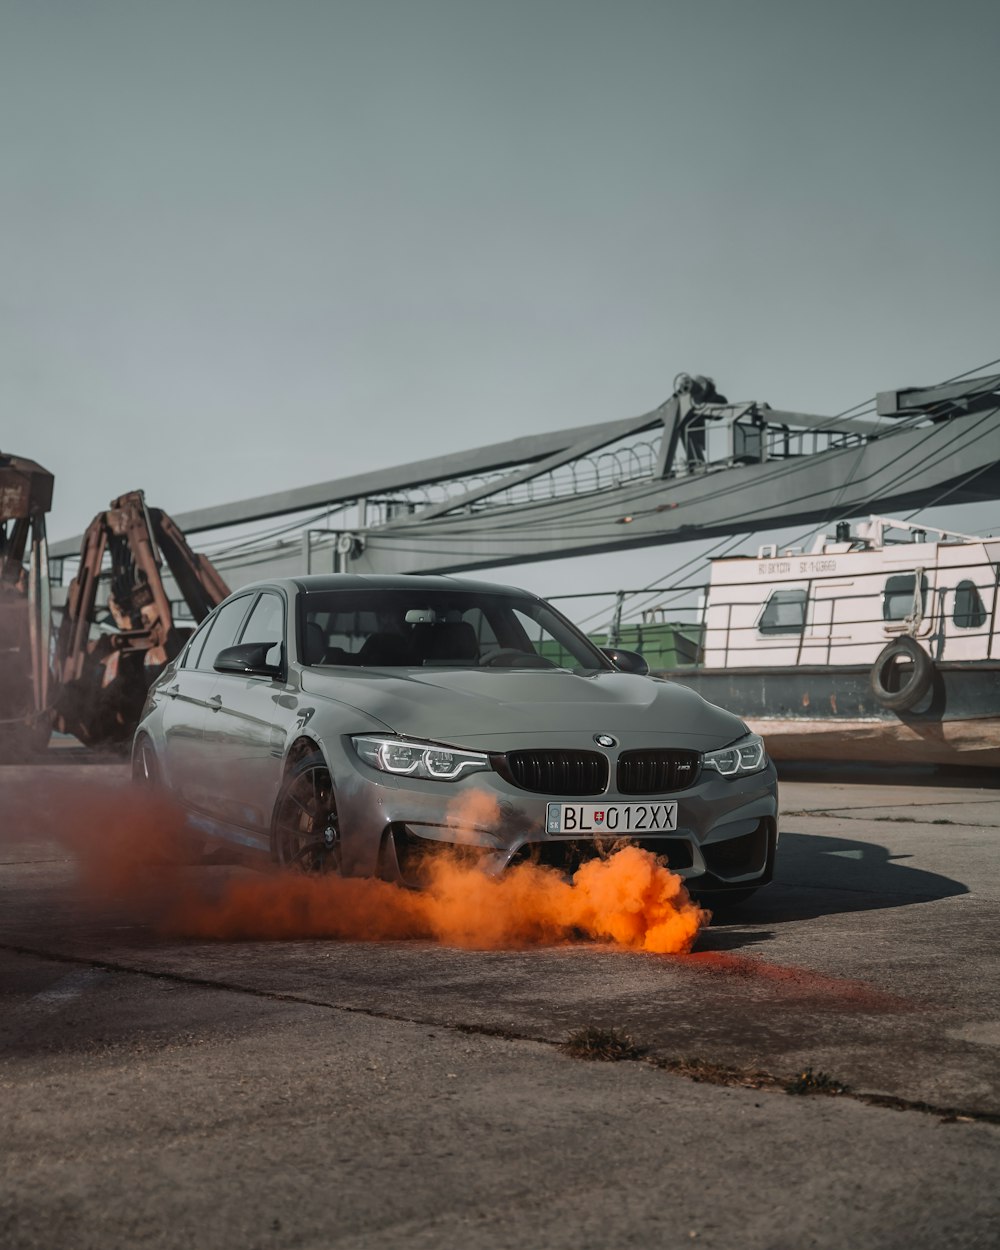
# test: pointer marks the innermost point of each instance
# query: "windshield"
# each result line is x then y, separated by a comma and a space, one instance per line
399, 627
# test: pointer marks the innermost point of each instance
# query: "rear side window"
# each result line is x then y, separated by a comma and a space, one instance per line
784, 613
222, 632
970, 611
898, 595
196, 643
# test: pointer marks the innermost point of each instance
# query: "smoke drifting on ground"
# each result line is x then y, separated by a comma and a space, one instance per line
629, 899
125, 844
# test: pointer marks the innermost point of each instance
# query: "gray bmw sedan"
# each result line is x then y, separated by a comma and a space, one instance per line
358, 724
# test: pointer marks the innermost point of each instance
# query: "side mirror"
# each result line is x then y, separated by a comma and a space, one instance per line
250, 659
627, 661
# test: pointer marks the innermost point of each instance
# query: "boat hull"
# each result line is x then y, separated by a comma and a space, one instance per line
831, 713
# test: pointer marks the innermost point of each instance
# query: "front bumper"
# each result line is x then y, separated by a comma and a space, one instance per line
725, 837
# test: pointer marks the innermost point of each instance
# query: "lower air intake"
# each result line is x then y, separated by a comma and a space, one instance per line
567, 855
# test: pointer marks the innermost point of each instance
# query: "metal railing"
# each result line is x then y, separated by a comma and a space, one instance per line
937, 626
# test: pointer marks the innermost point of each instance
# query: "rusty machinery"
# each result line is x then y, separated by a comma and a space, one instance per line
25, 610
108, 653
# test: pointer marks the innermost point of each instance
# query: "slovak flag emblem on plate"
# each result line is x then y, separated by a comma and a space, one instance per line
598, 817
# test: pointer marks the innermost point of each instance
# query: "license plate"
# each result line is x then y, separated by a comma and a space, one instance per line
614, 818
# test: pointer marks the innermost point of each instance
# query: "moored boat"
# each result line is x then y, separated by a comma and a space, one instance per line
878, 644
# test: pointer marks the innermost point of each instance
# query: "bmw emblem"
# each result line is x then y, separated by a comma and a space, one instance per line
605, 740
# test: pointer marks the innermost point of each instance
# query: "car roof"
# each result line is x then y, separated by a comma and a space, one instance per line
318, 583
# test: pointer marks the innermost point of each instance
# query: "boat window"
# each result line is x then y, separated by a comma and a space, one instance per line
897, 598
970, 611
784, 613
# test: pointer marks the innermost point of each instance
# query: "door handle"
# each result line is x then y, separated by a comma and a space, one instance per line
172, 691
215, 702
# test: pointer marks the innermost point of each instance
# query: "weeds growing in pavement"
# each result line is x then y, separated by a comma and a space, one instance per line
609, 1045
703, 1070
810, 1082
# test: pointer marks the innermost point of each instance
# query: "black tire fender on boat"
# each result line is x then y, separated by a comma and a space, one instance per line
917, 682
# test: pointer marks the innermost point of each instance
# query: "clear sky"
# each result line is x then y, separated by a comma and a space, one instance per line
252, 245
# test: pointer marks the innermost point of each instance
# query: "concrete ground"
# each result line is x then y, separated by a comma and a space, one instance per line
168, 1092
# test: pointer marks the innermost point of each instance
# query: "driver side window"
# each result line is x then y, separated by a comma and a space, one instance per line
266, 624
222, 632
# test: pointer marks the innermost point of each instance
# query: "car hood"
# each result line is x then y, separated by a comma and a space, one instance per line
473, 707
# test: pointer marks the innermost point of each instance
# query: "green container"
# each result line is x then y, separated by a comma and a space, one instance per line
662, 644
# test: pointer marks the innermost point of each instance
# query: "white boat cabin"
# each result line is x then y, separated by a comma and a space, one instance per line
843, 601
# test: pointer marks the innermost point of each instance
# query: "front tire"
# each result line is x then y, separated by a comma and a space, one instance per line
305, 828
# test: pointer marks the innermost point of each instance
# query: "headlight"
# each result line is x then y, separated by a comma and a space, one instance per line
419, 759
746, 756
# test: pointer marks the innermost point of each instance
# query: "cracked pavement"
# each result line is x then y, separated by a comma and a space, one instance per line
163, 1092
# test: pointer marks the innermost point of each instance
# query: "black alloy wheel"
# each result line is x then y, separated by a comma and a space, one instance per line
305, 831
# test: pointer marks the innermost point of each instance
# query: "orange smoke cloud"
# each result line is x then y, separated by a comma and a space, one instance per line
631, 899
114, 831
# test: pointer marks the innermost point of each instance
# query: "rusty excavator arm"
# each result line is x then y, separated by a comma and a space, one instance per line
25, 613
102, 680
